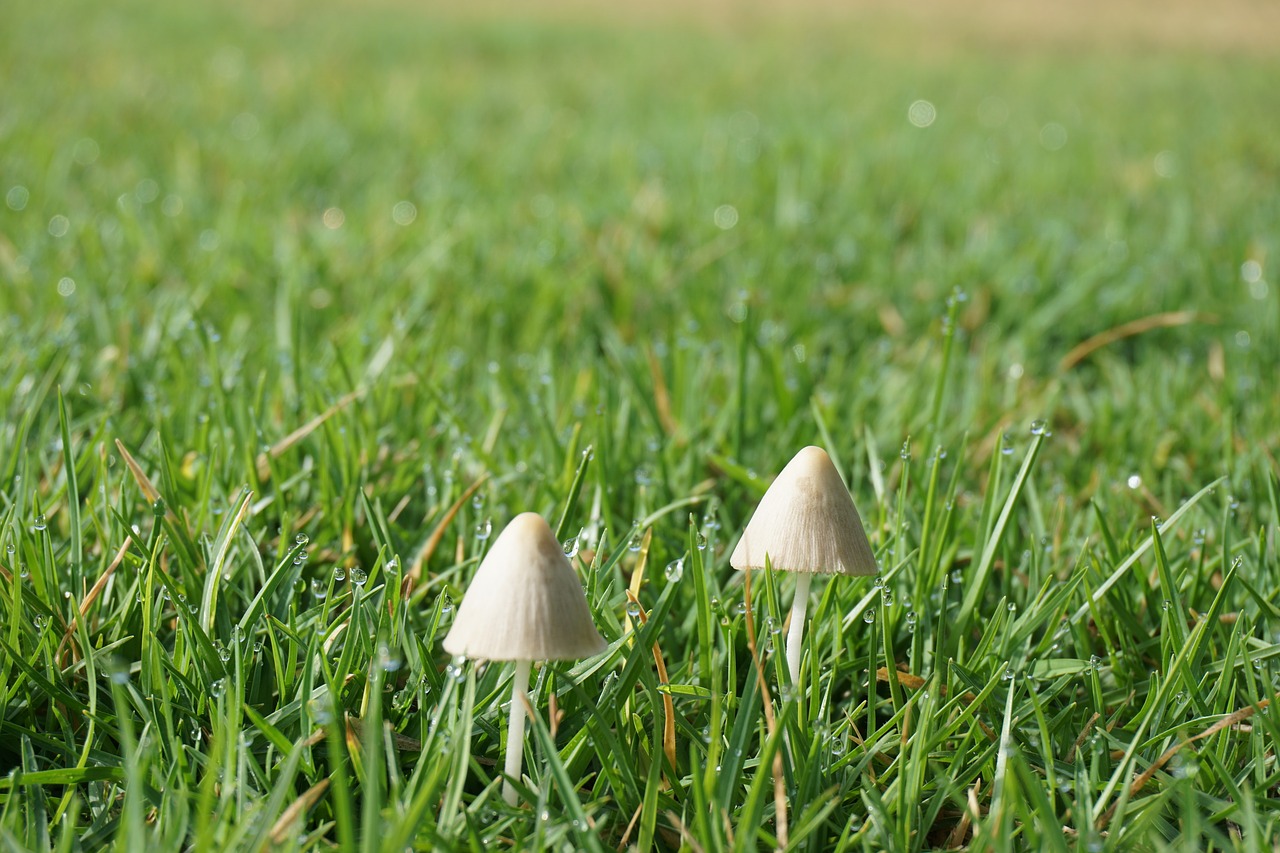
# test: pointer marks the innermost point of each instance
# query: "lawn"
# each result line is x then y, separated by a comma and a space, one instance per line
300, 304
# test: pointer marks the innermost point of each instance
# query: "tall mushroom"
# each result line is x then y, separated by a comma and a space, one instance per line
806, 523
524, 604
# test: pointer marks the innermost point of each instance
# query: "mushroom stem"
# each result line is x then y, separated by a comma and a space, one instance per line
795, 635
515, 730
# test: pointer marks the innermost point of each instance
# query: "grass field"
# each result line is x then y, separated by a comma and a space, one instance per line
302, 303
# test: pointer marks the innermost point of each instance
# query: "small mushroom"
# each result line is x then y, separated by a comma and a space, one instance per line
806, 523
524, 604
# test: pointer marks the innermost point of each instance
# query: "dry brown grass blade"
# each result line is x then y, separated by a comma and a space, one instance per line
1084, 733
915, 682
144, 482
1146, 776
282, 829
275, 450
414, 574
961, 831
1084, 349
668, 706
770, 720
93, 594
661, 397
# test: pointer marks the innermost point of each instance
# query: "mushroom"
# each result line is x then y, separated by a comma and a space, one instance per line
806, 523
524, 604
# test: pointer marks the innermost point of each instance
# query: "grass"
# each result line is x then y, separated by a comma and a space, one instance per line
300, 306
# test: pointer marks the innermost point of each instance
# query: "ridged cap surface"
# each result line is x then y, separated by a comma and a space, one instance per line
806, 522
525, 602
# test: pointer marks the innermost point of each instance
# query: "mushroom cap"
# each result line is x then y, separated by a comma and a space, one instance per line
806, 522
525, 601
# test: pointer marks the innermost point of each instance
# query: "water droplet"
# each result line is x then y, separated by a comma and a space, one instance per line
1013, 608
24, 572
571, 546
477, 502
675, 570
869, 615
1008, 674
1166, 605
1134, 481
358, 576
957, 576
1006, 444
1038, 427
387, 658
40, 523
158, 508
1095, 663
446, 604
633, 609
218, 688
886, 597
301, 539
905, 452
484, 528
701, 542
339, 574
633, 544
741, 608
319, 589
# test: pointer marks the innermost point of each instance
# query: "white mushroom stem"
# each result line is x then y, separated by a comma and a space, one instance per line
795, 635
515, 730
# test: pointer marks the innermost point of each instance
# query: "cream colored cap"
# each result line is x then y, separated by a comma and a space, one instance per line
806, 522
525, 602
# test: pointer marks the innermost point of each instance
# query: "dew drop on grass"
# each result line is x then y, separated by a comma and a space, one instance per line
9, 549
1166, 605
24, 572
318, 588
886, 596
675, 570
741, 608
911, 618
218, 688
339, 574
905, 453
1038, 427
957, 576
388, 659
1006, 444
358, 576
633, 609
701, 542
158, 508
571, 546
484, 528
869, 615
40, 523
446, 606
633, 544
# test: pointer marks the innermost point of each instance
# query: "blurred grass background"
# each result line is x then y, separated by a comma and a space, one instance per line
696, 238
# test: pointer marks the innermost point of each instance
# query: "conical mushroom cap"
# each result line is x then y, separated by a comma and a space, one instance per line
806, 522
525, 602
